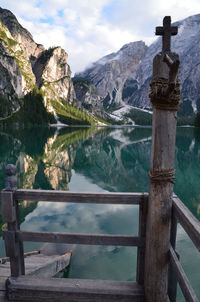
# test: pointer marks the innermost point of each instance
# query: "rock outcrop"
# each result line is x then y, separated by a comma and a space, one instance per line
16, 76
25, 64
21, 35
88, 97
110, 73
53, 75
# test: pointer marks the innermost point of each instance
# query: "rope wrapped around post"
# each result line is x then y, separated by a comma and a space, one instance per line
162, 176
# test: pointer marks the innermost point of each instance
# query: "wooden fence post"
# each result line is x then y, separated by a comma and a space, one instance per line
142, 233
14, 247
172, 278
165, 97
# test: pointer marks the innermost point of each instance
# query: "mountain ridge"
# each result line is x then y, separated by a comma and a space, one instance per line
136, 86
109, 73
120, 79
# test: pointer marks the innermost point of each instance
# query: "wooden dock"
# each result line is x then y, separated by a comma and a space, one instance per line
22, 287
37, 265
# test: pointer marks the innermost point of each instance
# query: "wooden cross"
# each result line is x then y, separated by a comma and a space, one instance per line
166, 31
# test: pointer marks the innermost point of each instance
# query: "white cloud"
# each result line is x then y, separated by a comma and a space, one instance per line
84, 43
23, 8
178, 9
91, 29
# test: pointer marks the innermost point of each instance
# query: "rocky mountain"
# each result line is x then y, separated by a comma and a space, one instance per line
26, 66
109, 74
125, 76
117, 80
187, 45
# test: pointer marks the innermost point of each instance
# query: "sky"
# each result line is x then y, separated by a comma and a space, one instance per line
91, 29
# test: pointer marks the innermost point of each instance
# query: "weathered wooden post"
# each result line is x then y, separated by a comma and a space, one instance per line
165, 97
13, 246
172, 278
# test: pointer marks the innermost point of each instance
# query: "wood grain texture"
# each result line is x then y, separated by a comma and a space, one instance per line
8, 206
2, 282
172, 278
159, 206
188, 221
38, 265
88, 239
184, 283
163, 139
142, 233
46, 266
3, 296
10, 244
80, 197
14, 247
73, 290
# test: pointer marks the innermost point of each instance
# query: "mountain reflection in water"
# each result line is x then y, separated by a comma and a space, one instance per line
98, 159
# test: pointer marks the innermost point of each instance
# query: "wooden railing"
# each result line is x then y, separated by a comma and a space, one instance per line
182, 215
14, 237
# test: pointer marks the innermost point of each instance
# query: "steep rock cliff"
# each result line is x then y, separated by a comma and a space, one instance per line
110, 73
21, 35
16, 76
53, 75
88, 97
25, 64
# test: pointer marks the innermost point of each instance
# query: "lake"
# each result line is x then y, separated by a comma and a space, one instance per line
98, 160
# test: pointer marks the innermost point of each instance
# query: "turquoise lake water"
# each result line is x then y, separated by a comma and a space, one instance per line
99, 160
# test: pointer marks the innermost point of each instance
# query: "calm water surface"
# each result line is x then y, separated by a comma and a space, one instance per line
98, 160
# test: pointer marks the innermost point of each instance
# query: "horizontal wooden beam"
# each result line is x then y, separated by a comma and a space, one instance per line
184, 283
87, 239
79, 197
188, 221
31, 289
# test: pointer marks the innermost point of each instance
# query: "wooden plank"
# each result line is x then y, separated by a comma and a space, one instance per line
46, 266
3, 283
172, 279
8, 206
10, 244
3, 296
88, 239
184, 283
7, 259
190, 223
73, 290
79, 197
14, 248
38, 265
142, 234
5, 270
173, 231
20, 243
